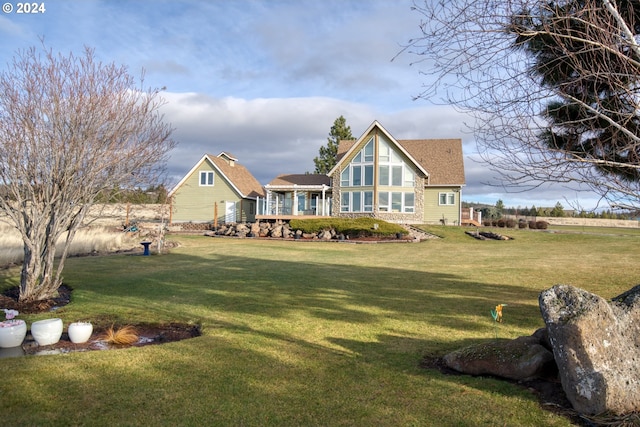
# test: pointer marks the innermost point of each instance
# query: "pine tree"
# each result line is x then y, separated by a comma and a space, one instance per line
594, 114
328, 154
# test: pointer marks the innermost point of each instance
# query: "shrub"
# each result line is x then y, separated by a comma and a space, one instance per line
532, 225
542, 225
510, 223
486, 223
501, 223
522, 224
355, 227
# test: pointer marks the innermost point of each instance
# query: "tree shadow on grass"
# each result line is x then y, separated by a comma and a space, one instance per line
223, 286
352, 294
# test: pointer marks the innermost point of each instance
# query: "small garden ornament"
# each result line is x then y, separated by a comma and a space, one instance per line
12, 331
497, 316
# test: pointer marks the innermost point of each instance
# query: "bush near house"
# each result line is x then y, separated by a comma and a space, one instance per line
352, 227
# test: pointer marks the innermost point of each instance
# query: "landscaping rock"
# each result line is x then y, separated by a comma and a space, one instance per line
524, 358
255, 228
325, 235
596, 345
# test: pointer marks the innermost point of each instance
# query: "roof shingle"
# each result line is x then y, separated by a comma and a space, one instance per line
239, 176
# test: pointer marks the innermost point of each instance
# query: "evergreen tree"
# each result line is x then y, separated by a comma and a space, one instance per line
595, 114
328, 154
558, 210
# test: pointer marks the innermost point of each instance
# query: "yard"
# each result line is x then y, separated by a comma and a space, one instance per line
309, 333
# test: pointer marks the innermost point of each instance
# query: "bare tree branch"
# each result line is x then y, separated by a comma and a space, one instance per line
552, 87
71, 128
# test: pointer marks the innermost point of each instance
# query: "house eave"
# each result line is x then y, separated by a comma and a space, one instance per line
322, 187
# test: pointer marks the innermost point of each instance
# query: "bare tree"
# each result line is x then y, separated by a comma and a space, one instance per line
551, 87
70, 128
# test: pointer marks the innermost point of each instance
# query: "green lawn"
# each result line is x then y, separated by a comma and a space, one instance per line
309, 334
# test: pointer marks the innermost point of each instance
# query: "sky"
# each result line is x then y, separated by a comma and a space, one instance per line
265, 79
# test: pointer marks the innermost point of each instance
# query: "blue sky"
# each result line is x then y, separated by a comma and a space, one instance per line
264, 80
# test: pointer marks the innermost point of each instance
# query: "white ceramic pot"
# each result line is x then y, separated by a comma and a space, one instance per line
47, 332
12, 333
80, 332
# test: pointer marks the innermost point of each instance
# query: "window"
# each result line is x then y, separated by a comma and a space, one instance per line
396, 201
206, 178
368, 175
383, 175
368, 201
396, 176
368, 151
383, 201
345, 177
393, 171
409, 178
409, 204
447, 198
345, 201
356, 201
356, 176
360, 171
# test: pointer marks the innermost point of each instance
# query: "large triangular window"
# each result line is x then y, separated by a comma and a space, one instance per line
359, 172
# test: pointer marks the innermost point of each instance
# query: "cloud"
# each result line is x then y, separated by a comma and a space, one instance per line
269, 136
272, 136
10, 28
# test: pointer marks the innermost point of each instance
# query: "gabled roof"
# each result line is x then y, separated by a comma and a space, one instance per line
239, 177
441, 160
300, 180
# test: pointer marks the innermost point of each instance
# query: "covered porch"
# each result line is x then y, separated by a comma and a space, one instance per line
296, 196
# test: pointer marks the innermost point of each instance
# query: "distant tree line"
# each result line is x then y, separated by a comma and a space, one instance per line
155, 194
498, 210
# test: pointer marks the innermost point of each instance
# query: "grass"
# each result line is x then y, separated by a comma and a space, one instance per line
89, 239
309, 333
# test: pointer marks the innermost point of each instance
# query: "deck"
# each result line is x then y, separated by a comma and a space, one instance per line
288, 217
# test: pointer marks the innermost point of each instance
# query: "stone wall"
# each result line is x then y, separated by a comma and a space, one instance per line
582, 222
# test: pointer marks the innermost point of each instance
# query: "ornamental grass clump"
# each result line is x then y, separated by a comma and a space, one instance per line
126, 335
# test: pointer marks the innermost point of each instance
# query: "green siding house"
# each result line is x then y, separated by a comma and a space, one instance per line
216, 190
403, 181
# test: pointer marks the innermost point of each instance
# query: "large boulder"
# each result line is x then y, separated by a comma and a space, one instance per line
521, 359
596, 345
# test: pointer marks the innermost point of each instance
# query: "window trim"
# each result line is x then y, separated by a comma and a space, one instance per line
347, 201
449, 198
389, 196
206, 180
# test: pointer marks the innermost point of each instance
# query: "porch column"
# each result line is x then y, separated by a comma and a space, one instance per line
323, 201
294, 202
266, 206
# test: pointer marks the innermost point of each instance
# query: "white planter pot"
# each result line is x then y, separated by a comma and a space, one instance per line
12, 333
47, 332
80, 332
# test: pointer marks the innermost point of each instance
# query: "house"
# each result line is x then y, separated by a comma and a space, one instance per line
216, 189
296, 195
404, 181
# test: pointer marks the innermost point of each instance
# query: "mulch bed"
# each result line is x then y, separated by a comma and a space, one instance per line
149, 334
